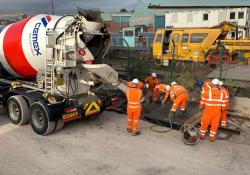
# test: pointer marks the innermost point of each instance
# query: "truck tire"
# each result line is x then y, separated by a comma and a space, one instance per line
40, 120
17, 109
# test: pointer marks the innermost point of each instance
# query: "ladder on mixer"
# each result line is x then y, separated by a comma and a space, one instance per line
49, 76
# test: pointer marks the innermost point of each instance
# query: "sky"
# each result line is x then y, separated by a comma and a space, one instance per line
63, 6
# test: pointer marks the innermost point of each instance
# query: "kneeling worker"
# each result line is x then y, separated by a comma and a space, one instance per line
161, 89
179, 96
134, 98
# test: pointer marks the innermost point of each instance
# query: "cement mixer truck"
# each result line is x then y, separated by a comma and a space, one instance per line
48, 69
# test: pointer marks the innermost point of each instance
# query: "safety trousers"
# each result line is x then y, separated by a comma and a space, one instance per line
211, 117
133, 118
181, 101
224, 118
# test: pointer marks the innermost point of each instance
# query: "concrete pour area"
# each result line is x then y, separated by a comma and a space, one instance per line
103, 146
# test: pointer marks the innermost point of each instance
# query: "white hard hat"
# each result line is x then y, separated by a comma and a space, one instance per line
216, 81
221, 83
135, 81
173, 83
153, 74
167, 87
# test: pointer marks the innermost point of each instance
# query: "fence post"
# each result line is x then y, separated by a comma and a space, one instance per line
129, 61
221, 59
172, 62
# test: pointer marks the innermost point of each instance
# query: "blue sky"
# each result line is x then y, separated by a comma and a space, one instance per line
62, 6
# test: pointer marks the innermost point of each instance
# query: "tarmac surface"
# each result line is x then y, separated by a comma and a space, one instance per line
103, 146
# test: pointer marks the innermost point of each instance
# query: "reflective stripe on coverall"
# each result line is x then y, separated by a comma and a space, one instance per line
159, 90
134, 97
152, 81
213, 103
179, 96
224, 113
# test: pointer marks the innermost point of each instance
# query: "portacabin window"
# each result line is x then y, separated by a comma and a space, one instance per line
198, 37
241, 15
232, 15
205, 17
185, 38
128, 33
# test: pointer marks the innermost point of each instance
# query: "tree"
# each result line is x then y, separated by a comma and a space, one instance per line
123, 10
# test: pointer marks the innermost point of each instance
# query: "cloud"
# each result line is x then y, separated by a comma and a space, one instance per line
62, 6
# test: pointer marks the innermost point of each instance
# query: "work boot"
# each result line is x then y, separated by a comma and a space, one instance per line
211, 139
203, 136
129, 130
136, 133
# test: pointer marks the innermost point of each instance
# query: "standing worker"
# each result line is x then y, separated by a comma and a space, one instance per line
226, 100
161, 89
213, 105
134, 107
151, 82
179, 96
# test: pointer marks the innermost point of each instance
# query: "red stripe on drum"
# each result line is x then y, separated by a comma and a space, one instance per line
13, 51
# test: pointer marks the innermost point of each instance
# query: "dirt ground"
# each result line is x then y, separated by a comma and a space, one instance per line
103, 146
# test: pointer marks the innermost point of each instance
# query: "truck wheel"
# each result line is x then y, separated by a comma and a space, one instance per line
39, 119
17, 109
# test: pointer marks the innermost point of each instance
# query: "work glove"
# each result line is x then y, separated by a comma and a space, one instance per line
162, 102
147, 85
143, 98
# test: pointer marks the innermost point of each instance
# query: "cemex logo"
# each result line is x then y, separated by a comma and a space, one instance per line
45, 21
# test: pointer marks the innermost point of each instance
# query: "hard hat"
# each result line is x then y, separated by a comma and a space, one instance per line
153, 74
135, 81
173, 83
221, 83
199, 83
167, 87
216, 81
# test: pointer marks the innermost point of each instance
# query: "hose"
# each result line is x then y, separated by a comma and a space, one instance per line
159, 123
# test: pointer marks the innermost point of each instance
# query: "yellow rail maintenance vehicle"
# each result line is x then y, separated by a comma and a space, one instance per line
201, 45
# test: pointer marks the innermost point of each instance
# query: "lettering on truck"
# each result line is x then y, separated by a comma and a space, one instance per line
35, 39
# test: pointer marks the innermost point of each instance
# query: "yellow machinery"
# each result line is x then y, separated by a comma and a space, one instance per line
200, 45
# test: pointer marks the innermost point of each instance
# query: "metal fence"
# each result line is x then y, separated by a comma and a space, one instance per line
144, 40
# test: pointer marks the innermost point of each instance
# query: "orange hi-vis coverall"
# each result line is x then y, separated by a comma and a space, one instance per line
213, 103
159, 90
224, 113
134, 97
206, 86
152, 81
179, 96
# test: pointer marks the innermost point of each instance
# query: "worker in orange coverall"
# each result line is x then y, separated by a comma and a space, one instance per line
226, 100
161, 89
151, 82
134, 107
213, 104
179, 96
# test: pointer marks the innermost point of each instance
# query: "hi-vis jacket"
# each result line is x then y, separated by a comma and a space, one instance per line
134, 97
213, 99
176, 91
